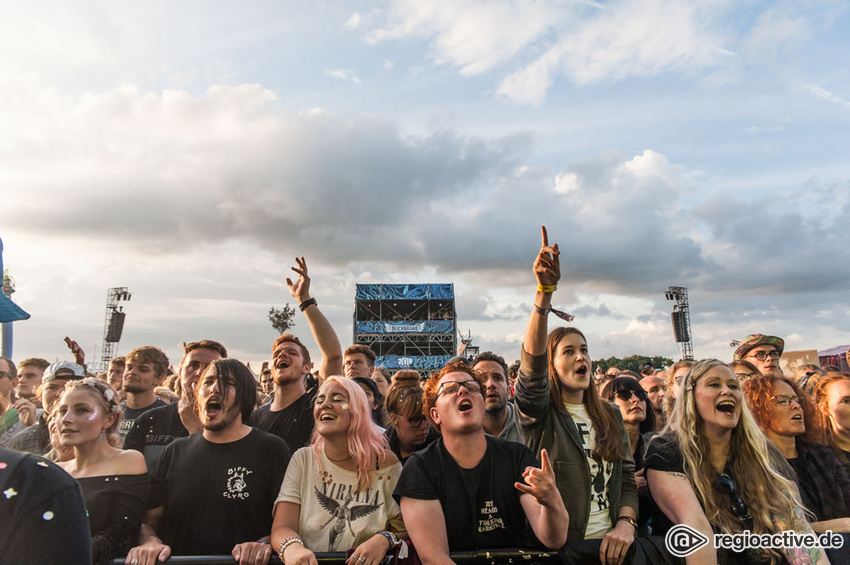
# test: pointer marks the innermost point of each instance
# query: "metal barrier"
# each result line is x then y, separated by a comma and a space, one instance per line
489, 557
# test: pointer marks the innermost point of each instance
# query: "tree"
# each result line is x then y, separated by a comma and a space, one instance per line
281, 318
635, 362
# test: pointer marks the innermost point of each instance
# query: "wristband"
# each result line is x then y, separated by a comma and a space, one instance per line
286, 542
391, 539
547, 289
262, 541
630, 520
541, 311
303, 306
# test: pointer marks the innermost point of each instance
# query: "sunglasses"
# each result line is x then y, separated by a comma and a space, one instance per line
739, 507
453, 387
626, 395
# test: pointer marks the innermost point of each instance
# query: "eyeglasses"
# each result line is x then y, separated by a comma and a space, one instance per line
453, 387
745, 376
626, 395
785, 400
809, 374
416, 421
762, 355
739, 507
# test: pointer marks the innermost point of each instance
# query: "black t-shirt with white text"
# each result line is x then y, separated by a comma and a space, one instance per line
216, 495
481, 505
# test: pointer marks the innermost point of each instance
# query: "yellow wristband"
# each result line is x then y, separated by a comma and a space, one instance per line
546, 289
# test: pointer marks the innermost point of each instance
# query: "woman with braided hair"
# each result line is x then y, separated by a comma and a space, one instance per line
114, 481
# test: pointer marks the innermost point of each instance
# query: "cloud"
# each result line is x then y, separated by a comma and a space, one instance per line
587, 43
348, 75
193, 196
823, 94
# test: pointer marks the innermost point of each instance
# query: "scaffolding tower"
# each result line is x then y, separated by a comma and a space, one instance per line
408, 326
681, 318
113, 324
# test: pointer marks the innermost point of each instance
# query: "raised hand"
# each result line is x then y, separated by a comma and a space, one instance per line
300, 289
547, 265
540, 483
76, 351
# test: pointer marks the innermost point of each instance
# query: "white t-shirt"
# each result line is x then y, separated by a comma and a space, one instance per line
333, 516
599, 520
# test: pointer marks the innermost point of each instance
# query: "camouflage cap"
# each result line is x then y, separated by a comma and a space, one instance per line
755, 340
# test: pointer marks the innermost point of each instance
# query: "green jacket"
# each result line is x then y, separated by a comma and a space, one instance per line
543, 426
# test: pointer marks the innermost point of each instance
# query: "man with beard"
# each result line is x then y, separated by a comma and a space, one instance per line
656, 389
290, 414
212, 492
144, 370
158, 427
498, 413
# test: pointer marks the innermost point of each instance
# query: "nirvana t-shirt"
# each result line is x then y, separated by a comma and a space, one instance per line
216, 495
154, 430
599, 520
130, 415
481, 506
293, 424
334, 516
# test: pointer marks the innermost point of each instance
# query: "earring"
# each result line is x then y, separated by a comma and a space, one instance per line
102, 435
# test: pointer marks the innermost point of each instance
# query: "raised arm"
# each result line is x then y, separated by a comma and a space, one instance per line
676, 498
426, 525
547, 271
323, 332
543, 504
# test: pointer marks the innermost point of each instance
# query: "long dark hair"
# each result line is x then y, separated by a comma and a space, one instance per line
631, 385
603, 416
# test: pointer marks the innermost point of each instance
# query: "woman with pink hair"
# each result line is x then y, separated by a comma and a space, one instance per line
337, 492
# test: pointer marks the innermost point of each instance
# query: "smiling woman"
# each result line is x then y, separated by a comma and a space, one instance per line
337, 493
715, 471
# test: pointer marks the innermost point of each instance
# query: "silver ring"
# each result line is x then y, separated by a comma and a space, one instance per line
354, 555
361, 559
134, 561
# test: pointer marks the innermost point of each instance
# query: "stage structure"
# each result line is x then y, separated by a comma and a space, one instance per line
408, 326
113, 324
681, 318
9, 311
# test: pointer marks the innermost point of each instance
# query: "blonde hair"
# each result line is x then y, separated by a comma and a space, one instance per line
754, 465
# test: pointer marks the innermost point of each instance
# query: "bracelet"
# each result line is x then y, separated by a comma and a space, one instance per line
547, 289
541, 311
391, 539
303, 306
630, 520
286, 542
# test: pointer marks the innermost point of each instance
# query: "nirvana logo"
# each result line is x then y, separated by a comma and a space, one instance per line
236, 485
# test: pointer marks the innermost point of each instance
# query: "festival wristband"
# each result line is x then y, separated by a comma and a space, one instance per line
303, 306
546, 289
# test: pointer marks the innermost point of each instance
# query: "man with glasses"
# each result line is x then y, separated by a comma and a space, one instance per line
763, 351
469, 490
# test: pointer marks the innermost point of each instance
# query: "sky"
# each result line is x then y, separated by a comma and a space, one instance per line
190, 151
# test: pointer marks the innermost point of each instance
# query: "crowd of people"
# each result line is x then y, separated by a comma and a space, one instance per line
342, 456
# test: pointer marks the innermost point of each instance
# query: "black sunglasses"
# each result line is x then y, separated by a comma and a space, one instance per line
626, 394
739, 507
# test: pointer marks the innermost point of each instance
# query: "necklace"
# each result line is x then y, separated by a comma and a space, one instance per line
337, 460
